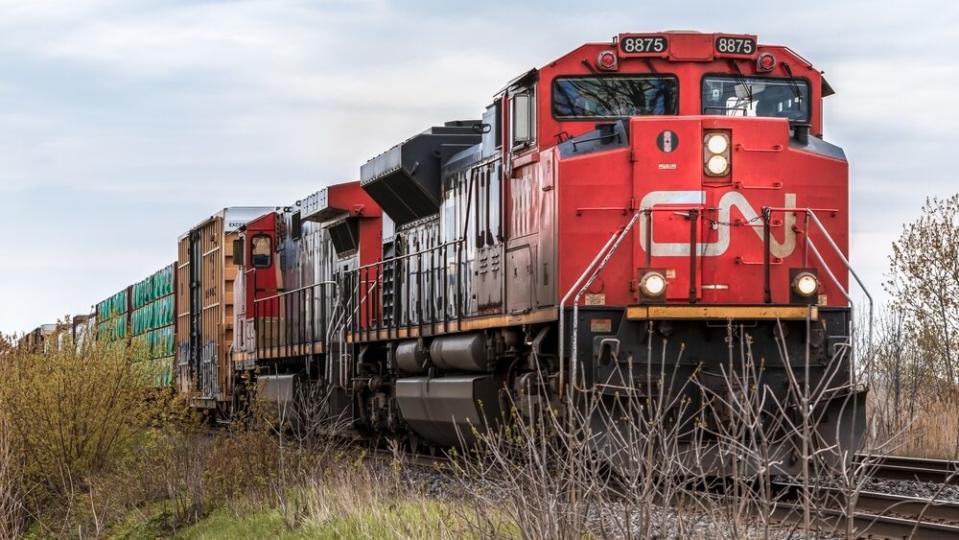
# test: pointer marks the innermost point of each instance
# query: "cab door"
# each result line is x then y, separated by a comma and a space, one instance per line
260, 277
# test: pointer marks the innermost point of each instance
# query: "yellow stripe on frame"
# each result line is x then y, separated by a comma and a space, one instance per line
722, 312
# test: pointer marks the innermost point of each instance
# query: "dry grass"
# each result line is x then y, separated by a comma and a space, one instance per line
929, 427
912, 402
82, 454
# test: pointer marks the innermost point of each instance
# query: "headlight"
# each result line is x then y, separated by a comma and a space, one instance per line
653, 284
806, 284
717, 165
717, 143
716, 150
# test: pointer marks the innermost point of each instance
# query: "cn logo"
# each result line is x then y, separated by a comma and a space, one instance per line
726, 203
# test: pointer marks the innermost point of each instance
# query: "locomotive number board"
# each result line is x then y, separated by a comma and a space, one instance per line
735, 45
643, 44
724, 45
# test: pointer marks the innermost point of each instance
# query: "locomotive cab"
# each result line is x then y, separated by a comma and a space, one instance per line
693, 189
296, 267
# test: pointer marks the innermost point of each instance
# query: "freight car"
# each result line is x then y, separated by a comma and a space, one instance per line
75, 333
56, 336
39, 339
633, 206
142, 315
204, 308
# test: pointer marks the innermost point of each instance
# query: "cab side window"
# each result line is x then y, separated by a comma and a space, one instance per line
261, 251
523, 118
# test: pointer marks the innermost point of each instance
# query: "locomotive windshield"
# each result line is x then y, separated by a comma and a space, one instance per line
613, 96
755, 96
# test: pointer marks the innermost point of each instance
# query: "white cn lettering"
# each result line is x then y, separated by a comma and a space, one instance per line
726, 203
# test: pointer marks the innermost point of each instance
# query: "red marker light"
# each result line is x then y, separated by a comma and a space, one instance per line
607, 60
766, 62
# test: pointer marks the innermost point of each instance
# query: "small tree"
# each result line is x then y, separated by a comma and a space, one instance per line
71, 414
924, 285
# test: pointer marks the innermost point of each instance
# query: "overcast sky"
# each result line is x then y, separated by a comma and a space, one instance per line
123, 123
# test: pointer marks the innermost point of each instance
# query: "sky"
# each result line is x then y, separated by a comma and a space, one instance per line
125, 122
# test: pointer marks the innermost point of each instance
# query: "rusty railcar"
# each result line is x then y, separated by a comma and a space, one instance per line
204, 300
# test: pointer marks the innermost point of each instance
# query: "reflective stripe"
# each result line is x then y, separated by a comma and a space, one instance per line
721, 312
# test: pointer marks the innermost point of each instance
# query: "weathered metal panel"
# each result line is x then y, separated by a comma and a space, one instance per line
405, 180
447, 410
153, 323
205, 300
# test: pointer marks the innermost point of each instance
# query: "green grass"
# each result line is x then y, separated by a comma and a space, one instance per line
221, 523
409, 519
225, 524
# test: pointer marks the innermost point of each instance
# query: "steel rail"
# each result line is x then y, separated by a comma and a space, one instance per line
874, 514
868, 525
913, 468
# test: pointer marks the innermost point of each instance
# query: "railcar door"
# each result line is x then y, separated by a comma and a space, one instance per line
196, 303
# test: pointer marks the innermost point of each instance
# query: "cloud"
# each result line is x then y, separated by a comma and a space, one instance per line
126, 122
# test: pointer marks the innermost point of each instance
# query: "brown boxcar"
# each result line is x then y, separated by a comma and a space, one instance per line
204, 329
38, 339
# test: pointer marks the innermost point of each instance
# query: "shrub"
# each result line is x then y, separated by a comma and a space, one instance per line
69, 415
11, 502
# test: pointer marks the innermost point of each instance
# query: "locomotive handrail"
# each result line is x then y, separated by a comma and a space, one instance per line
835, 248
360, 301
810, 214
562, 315
291, 291
409, 255
434, 262
616, 240
295, 325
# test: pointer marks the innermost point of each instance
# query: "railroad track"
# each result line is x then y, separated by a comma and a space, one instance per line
876, 515
408, 458
912, 468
